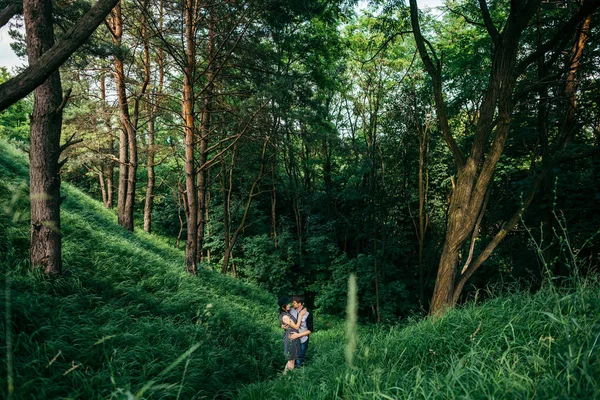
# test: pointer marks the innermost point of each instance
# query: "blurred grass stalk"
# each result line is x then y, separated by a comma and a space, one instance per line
10, 388
351, 319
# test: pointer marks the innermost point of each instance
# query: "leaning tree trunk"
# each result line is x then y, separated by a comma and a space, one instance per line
475, 170
45, 130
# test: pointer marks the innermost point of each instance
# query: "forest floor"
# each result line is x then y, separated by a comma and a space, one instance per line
126, 321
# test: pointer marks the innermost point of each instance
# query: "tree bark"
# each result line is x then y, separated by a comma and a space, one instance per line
102, 186
205, 126
45, 130
110, 166
152, 107
149, 202
423, 183
124, 215
226, 194
181, 204
189, 129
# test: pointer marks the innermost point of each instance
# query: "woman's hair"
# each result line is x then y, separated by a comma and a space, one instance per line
283, 301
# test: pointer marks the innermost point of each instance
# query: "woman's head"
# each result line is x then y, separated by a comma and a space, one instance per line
284, 303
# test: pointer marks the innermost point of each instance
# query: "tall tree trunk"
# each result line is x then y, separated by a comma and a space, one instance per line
127, 133
423, 183
569, 123
205, 127
45, 130
149, 202
189, 129
109, 164
152, 108
226, 194
110, 185
542, 128
102, 186
206, 217
181, 205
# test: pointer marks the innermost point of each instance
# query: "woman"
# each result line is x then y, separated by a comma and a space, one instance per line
291, 347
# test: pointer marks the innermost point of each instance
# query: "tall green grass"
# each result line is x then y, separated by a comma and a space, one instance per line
126, 320
515, 346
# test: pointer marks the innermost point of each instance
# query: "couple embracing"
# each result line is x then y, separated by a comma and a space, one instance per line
297, 323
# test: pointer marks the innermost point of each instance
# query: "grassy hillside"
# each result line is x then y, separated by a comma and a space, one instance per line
126, 322
124, 312
515, 346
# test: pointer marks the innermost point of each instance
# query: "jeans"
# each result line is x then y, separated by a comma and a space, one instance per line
303, 347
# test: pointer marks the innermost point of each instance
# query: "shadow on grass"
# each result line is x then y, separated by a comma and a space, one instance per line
125, 310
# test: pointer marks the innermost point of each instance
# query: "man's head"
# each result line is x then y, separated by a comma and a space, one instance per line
298, 302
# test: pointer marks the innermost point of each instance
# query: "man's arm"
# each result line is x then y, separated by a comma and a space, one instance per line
294, 336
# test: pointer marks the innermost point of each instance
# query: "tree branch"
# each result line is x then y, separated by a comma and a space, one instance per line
587, 8
34, 75
489, 24
476, 230
467, 19
434, 70
10, 11
70, 142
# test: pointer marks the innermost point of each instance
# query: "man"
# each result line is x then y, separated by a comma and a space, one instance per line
306, 327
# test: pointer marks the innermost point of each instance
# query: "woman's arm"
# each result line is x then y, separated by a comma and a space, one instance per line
299, 320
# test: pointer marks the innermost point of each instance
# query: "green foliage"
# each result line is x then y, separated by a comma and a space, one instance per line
267, 265
14, 121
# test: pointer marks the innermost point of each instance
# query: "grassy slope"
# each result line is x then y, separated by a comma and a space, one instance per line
515, 346
125, 311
